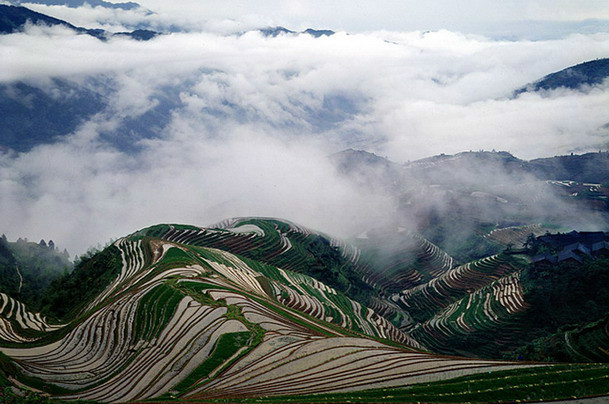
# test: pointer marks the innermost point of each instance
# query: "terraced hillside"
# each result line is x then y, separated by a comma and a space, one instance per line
505, 306
369, 279
400, 260
288, 246
182, 321
274, 242
472, 309
15, 316
585, 343
516, 236
475, 309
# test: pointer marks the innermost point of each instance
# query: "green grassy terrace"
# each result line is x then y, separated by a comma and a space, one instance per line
558, 382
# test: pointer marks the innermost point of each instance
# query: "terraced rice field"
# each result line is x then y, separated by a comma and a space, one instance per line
290, 246
536, 384
184, 321
15, 317
469, 300
516, 235
411, 262
492, 307
435, 295
276, 243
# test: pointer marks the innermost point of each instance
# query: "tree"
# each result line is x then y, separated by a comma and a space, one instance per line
530, 242
42, 244
51, 245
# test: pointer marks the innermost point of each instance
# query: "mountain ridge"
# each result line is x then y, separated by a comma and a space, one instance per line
585, 167
14, 18
276, 31
79, 3
577, 77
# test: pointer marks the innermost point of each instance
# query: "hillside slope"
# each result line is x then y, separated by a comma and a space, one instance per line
454, 201
172, 304
368, 270
180, 320
579, 76
27, 269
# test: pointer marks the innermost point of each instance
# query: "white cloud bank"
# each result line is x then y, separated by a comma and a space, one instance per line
256, 117
471, 16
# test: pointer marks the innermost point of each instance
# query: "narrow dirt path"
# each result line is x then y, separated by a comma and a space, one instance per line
20, 279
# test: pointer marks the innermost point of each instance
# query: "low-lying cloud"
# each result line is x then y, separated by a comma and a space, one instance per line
249, 121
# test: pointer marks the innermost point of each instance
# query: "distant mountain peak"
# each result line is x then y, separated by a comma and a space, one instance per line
275, 31
472, 156
79, 3
350, 157
279, 30
14, 18
318, 32
589, 73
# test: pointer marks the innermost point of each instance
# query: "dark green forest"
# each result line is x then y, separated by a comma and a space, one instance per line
27, 269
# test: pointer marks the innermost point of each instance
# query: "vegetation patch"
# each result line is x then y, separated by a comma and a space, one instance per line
558, 294
543, 383
67, 295
155, 310
226, 346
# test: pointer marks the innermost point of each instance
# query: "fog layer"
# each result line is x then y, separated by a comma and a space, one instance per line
248, 121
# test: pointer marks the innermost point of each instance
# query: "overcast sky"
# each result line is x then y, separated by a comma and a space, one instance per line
470, 16
512, 19
255, 118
